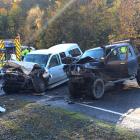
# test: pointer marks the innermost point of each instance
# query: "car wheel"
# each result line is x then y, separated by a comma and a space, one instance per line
97, 89
138, 77
39, 84
73, 91
9, 90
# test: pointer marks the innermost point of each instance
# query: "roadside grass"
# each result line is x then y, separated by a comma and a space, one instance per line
11, 103
39, 122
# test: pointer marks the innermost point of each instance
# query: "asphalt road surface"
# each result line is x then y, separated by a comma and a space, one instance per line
119, 106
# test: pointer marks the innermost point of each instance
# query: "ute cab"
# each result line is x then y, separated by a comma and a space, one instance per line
52, 60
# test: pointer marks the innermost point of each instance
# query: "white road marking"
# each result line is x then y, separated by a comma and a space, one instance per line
109, 111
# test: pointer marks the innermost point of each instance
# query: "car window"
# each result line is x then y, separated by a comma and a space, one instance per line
114, 55
120, 53
55, 61
62, 55
129, 53
75, 52
136, 50
124, 52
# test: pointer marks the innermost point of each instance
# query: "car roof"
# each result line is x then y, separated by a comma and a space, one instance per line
109, 46
56, 49
97, 48
117, 45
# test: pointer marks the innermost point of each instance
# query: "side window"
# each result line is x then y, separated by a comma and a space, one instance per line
136, 50
129, 53
123, 52
114, 55
62, 55
55, 61
120, 53
75, 52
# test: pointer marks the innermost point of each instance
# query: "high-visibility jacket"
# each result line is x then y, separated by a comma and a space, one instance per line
123, 49
25, 52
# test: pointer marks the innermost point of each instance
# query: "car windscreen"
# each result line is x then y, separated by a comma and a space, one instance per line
40, 59
97, 53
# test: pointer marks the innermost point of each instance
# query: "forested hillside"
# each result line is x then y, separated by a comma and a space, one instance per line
89, 23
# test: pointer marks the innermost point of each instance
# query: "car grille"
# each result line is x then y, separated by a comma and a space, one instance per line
77, 69
14, 77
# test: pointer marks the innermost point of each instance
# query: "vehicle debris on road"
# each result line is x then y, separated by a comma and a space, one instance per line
2, 110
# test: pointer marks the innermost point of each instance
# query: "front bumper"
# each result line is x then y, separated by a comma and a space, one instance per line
82, 79
14, 80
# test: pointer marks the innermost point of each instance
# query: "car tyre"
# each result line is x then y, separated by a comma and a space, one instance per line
73, 91
138, 77
9, 90
39, 84
97, 89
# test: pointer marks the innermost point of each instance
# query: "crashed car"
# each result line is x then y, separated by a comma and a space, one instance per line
101, 66
52, 60
18, 76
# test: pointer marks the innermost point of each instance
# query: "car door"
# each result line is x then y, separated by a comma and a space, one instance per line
132, 62
62, 74
117, 63
55, 68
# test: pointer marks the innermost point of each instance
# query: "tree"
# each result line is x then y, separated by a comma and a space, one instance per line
126, 17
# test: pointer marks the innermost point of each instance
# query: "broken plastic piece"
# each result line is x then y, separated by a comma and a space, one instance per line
2, 109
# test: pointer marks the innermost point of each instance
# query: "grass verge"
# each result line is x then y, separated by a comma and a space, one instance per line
39, 122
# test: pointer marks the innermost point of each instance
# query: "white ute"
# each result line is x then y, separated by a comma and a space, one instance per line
51, 60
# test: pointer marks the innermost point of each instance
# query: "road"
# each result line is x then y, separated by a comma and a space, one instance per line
118, 106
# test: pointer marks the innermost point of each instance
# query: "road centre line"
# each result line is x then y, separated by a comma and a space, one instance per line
109, 111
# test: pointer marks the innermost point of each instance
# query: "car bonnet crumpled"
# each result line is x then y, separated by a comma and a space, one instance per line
26, 67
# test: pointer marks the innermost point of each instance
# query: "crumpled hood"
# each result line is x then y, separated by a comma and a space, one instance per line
26, 67
86, 60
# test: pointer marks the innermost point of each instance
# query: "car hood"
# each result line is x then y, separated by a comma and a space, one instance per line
26, 67
86, 60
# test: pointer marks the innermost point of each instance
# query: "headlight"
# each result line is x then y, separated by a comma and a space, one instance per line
45, 75
87, 65
78, 69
